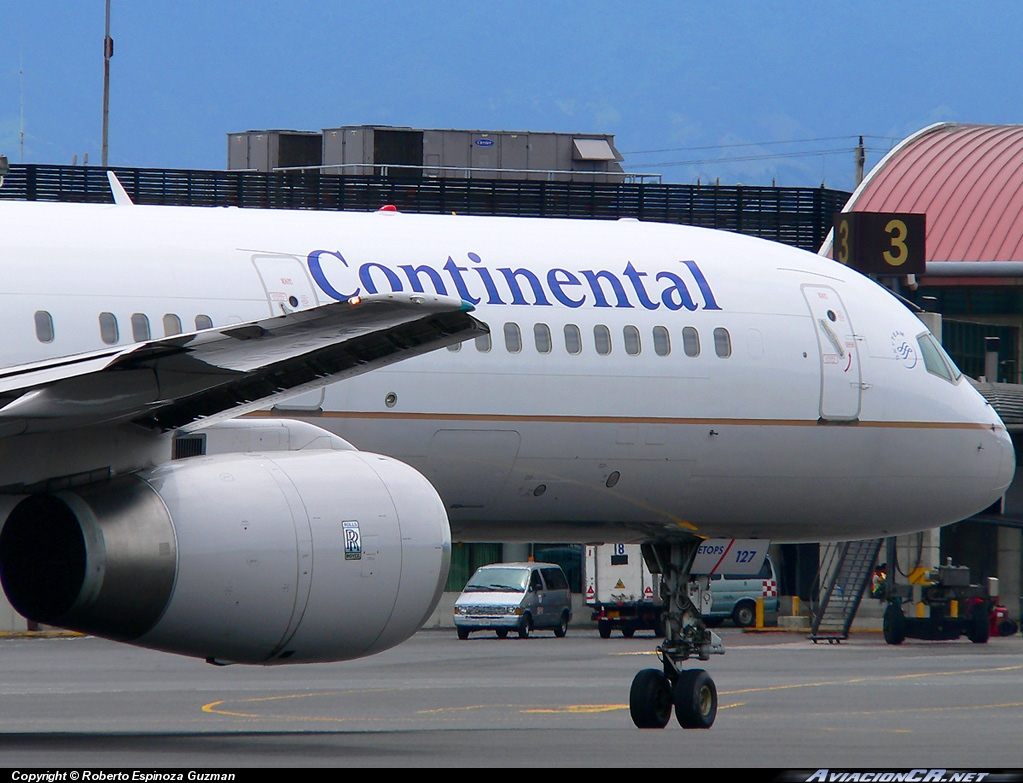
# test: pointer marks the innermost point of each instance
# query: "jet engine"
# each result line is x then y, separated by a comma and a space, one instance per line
295, 556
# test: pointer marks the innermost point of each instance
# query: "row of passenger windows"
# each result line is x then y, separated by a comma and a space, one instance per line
110, 332
542, 338
602, 340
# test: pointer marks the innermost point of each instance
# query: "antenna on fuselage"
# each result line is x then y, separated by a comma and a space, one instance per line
121, 197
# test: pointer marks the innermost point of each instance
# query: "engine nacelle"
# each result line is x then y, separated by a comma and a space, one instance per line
251, 558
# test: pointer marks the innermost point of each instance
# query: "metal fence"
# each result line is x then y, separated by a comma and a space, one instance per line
796, 216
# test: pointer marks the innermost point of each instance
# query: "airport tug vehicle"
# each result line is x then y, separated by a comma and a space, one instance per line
943, 604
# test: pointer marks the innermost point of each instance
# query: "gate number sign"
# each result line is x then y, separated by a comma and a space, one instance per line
881, 243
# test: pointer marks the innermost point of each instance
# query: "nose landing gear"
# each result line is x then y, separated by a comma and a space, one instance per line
691, 692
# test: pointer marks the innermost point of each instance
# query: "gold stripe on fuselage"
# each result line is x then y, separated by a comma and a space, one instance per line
663, 420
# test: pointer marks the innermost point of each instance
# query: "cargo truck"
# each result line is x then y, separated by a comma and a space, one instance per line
623, 594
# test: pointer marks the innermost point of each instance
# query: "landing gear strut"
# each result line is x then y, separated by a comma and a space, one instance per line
691, 692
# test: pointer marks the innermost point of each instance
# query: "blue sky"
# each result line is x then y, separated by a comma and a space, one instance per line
742, 91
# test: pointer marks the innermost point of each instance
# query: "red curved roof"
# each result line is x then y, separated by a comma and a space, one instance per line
968, 179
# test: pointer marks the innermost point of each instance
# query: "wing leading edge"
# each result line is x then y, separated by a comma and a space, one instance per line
188, 381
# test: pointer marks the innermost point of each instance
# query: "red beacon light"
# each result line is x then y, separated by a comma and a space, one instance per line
388, 208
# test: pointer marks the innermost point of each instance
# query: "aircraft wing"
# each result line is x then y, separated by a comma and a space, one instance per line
187, 381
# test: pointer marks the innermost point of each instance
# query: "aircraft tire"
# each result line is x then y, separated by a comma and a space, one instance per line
696, 699
650, 699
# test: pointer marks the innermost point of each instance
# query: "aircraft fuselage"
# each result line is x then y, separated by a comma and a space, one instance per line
640, 381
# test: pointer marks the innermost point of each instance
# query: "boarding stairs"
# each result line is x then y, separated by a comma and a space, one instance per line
844, 578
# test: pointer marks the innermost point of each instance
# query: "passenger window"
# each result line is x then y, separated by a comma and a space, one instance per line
171, 325
722, 343
108, 328
691, 341
573, 339
542, 337
555, 579
139, 327
631, 335
512, 337
602, 339
483, 343
535, 582
203, 322
662, 342
44, 326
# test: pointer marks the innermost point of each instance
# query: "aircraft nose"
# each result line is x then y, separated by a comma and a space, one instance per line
996, 444
1007, 464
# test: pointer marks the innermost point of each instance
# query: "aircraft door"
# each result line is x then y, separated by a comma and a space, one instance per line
841, 378
286, 282
288, 288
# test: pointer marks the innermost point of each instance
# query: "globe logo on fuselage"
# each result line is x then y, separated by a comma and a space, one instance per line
903, 349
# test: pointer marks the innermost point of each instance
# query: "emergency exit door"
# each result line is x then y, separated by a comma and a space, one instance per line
289, 288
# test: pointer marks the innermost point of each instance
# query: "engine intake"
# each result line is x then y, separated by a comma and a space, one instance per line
100, 560
251, 558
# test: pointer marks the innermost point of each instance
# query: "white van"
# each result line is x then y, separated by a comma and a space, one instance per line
518, 597
736, 597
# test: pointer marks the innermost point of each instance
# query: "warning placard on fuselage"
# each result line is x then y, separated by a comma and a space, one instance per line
732, 556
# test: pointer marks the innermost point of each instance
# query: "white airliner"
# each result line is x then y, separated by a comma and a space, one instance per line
638, 383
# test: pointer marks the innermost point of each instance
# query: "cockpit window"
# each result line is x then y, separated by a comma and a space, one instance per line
936, 360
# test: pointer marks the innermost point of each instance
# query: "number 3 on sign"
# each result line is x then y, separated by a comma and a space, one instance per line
897, 256
843, 242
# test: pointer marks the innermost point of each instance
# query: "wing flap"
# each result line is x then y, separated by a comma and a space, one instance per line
187, 381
